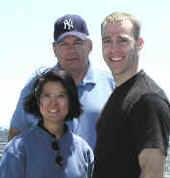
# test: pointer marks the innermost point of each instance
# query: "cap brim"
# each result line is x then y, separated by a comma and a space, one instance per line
82, 36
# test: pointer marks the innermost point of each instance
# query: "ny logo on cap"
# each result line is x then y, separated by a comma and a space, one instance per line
68, 24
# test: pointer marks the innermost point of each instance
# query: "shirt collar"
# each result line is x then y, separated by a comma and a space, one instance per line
89, 77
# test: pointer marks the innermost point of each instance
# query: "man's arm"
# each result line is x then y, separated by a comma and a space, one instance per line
151, 134
151, 161
13, 133
21, 121
18, 120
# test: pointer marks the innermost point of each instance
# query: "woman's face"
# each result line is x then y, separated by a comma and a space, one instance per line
54, 103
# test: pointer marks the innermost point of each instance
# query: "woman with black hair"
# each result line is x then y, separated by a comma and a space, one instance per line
50, 149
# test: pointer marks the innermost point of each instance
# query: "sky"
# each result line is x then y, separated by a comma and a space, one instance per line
26, 36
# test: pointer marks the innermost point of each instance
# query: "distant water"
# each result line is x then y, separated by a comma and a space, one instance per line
2, 127
3, 139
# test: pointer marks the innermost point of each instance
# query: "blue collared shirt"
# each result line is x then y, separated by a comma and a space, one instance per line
94, 91
30, 155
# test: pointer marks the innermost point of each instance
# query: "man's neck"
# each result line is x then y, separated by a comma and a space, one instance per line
123, 77
78, 75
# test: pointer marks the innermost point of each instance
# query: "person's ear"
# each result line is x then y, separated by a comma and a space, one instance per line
140, 43
54, 45
90, 45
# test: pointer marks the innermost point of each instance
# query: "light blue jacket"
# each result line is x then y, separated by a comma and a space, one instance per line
30, 155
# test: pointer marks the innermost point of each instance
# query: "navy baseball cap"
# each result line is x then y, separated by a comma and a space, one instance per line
70, 25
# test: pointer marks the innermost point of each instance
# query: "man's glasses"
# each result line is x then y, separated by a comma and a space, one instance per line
59, 158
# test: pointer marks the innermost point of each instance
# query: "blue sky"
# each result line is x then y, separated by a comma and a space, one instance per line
26, 36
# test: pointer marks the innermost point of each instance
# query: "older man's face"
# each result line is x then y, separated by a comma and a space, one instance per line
72, 53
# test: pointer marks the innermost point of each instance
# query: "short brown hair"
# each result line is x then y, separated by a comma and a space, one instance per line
118, 17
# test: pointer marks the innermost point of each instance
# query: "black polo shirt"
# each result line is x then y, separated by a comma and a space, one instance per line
136, 116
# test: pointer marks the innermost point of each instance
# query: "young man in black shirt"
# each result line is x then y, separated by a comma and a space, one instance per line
133, 129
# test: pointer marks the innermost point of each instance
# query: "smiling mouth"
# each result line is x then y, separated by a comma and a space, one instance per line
116, 59
53, 112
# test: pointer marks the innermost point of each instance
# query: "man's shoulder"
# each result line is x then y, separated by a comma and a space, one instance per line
142, 87
142, 84
103, 73
30, 82
105, 76
146, 85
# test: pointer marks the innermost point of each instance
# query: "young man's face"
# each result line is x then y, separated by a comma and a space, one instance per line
72, 53
120, 49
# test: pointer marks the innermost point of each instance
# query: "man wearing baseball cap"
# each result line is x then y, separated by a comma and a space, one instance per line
72, 48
